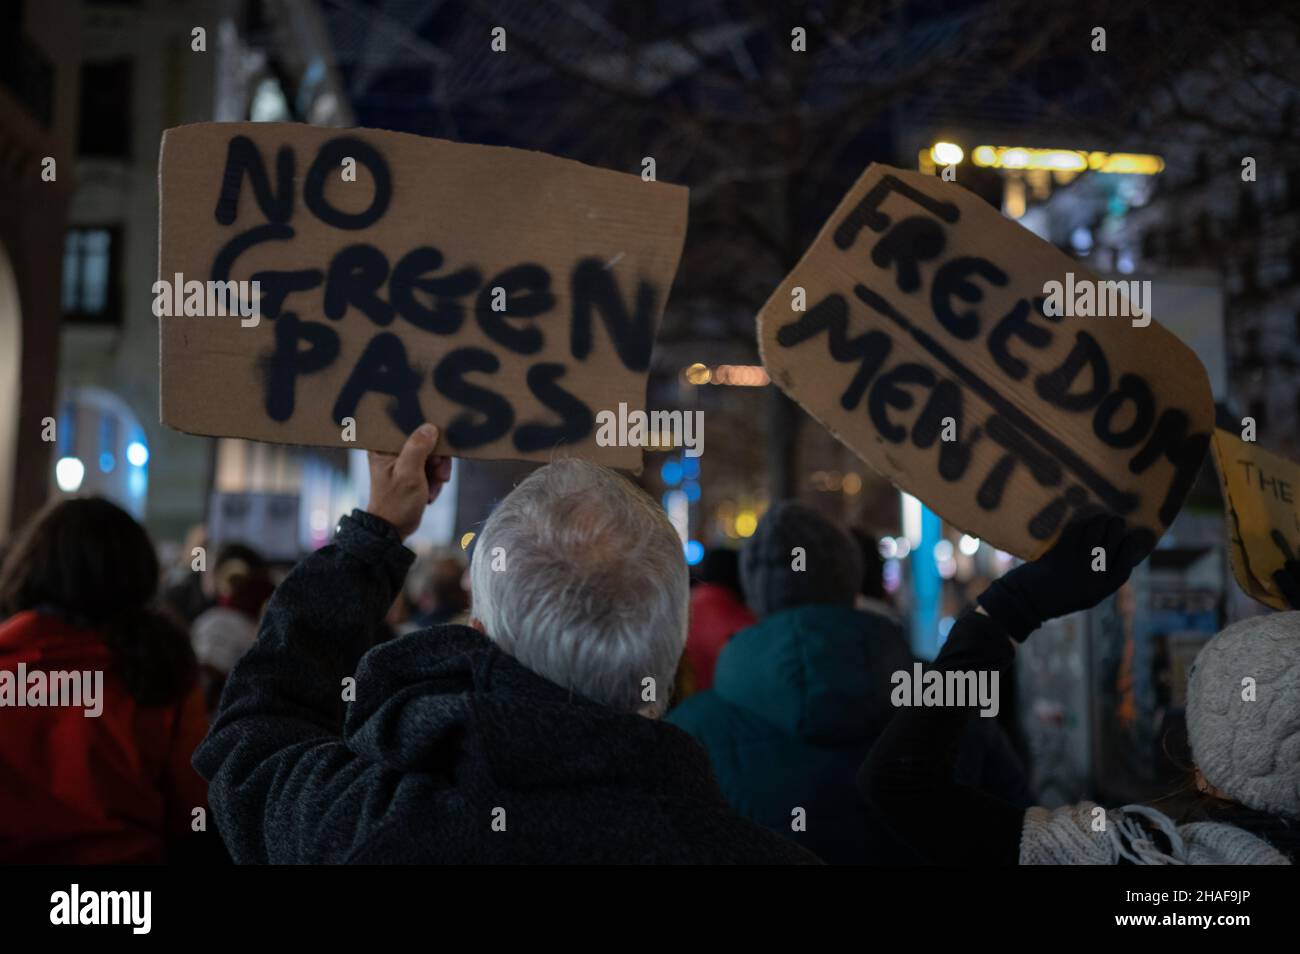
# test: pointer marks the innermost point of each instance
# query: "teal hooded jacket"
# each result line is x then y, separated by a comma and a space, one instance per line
797, 701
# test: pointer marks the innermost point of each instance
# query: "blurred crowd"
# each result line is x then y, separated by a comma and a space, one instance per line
571, 694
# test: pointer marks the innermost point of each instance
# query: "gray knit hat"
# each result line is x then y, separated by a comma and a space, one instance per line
831, 564
1250, 747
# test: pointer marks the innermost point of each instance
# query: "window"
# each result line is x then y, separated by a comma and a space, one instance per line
105, 128
90, 276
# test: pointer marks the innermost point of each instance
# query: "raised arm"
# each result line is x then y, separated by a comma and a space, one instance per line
277, 739
908, 777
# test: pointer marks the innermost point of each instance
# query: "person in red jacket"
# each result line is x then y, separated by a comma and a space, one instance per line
718, 612
100, 709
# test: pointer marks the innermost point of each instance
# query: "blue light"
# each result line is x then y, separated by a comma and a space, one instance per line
694, 552
106, 462
692, 490
691, 468
671, 472
137, 453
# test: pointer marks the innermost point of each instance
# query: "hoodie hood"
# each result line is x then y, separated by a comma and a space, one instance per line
819, 672
467, 704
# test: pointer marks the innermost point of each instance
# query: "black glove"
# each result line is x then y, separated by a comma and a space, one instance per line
1287, 579
1062, 580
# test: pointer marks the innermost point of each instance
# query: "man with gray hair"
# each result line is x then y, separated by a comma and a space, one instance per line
532, 736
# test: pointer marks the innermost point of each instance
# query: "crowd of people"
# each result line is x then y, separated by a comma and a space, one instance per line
572, 696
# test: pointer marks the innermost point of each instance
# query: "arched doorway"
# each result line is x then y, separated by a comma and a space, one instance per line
102, 449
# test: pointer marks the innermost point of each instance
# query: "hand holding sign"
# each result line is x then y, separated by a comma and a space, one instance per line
926, 348
504, 295
403, 484
1065, 579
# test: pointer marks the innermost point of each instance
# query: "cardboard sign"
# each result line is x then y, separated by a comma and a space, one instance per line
924, 345
1262, 495
507, 296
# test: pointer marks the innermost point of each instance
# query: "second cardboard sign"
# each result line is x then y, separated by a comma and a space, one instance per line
917, 329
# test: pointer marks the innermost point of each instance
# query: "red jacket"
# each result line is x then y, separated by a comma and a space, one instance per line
108, 789
717, 614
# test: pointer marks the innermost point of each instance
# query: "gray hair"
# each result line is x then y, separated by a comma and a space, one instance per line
579, 576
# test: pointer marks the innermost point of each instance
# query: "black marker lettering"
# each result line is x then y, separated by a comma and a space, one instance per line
592, 286
954, 456
355, 276
886, 393
444, 314
1045, 523
1016, 324
952, 279
466, 433
287, 361
1054, 387
867, 212
1132, 389
242, 156
327, 164
576, 420
383, 368
911, 241
1184, 451
1119, 501
831, 315
528, 294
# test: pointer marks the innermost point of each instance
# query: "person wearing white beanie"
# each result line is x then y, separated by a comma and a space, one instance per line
1243, 719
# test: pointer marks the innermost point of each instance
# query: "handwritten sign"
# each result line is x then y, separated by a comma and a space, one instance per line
925, 347
507, 296
1262, 495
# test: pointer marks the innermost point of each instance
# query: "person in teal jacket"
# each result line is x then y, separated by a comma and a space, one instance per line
799, 698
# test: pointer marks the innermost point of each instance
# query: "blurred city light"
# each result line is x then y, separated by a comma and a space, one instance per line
969, 545
694, 552
911, 519
946, 153
466, 540
746, 523
697, 374
734, 375
1066, 160
69, 473
740, 375
137, 454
